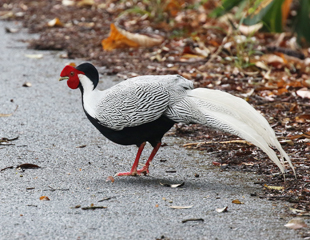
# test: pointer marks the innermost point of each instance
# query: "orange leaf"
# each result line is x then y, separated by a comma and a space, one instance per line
55, 23
44, 198
282, 90
120, 38
72, 64
285, 10
236, 201
174, 6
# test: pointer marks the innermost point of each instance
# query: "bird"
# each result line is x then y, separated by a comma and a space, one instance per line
142, 109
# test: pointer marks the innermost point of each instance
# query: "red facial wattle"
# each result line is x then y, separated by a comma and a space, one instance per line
72, 74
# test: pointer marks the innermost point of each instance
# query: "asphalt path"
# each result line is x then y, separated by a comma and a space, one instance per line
75, 161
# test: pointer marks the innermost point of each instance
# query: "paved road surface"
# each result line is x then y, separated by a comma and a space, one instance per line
50, 124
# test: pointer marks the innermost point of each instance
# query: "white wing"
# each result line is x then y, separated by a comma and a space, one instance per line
140, 100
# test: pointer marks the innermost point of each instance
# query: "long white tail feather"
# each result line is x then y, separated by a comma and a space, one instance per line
220, 101
234, 115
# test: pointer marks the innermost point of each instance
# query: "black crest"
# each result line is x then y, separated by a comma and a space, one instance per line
90, 71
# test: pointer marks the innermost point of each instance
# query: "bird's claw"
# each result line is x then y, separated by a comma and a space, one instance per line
143, 170
138, 172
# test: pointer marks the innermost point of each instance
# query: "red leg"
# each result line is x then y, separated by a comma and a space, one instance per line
133, 171
145, 169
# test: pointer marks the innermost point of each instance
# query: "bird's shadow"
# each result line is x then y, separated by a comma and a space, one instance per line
201, 184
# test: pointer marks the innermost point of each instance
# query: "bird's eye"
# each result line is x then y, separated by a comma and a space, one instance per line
72, 73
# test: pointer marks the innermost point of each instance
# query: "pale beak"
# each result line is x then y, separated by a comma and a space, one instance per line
63, 78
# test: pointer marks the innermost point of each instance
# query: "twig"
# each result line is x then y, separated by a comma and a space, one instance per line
9, 114
211, 142
93, 207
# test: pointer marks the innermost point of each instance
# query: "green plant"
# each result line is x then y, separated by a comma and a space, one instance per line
271, 14
244, 50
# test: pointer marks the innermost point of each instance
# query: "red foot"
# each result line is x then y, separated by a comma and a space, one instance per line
126, 174
138, 172
144, 170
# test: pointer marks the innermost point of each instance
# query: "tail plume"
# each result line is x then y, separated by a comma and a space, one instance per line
234, 115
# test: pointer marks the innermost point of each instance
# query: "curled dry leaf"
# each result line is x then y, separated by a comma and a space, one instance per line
120, 38
172, 185
8, 115
82, 146
27, 84
72, 64
85, 3
297, 211
44, 198
302, 118
262, 65
193, 220
181, 207
272, 59
11, 30
296, 223
55, 23
303, 92
220, 210
28, 166
34, 56
249, 30
236, 201
278, 188
68, 2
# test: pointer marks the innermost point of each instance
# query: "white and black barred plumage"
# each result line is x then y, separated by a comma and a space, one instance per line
146, 102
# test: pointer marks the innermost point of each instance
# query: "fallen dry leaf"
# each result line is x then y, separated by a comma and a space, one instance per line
11, 30
249, 30
193, 220
55, 23
172, 185
68, 2
278, 188
302, 118
262, 65
181, 207
44, 198
236, 201
272, 59
297, 211
27, 84
120, 38
216, 163
34, 56
85, 3
220, 210
296, 223
82, 146
28, 166
303, 92
8, 115
72, 64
